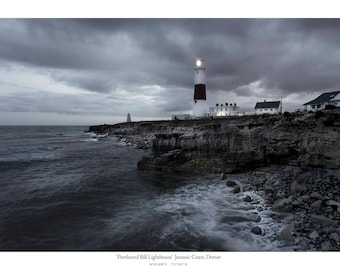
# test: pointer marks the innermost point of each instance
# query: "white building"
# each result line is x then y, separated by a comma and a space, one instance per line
320, 103
268, 107
222, 110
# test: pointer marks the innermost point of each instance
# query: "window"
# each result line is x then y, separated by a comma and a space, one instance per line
318, 106
313, 106
271, 109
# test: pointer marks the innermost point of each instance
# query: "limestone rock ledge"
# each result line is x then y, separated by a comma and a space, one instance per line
304, 139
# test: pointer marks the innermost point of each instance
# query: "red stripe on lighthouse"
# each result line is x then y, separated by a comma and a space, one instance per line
200, 92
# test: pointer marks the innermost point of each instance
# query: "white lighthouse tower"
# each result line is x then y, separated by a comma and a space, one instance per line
200, 99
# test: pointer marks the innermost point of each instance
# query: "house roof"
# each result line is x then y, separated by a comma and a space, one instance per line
267, 104
324, 97
336, 97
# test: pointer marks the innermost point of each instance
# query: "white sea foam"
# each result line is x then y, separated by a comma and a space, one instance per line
91, 140
202, 210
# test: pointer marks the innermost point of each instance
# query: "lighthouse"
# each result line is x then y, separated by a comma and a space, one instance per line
200, 98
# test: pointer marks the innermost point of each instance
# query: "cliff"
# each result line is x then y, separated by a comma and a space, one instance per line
304, 139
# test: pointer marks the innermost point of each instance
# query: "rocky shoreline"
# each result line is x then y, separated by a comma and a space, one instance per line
307, 200
292, 160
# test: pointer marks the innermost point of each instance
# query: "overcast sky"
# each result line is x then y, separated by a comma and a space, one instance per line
91, 71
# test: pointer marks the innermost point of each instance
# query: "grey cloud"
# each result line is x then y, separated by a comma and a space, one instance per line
102, 55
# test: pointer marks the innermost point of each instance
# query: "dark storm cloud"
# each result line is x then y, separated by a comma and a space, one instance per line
101, 55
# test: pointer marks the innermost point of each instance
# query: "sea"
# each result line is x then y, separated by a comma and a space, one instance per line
65, 189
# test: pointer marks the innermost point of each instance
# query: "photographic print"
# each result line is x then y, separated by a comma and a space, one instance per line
169, 135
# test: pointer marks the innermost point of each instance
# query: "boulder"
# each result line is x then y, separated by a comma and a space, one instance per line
223, 176
256, 230
333, 203
247, 188
323, 221
262, 193
269, 189
327, 246
316, 204
287, 234
313, 235
237, 190
247, 199
255, 218
335, 237
283, 205
297, 187
258, 181
316, 195
304, 198
289, 217
231, 183
234, 218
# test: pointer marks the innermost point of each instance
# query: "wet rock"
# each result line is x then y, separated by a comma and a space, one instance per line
237, 190
258, 181
256, 230
223, 176
316, 195
323, 221
269, 189
313, 235
255, 218
247, 199
262, 193
233, 218
231, 183
283, 205
297, 187
247, 188
316, 204
287, 234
